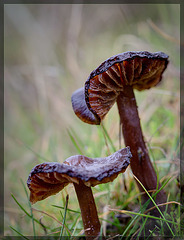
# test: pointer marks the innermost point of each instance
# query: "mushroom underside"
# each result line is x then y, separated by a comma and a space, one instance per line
141, 70
102, 90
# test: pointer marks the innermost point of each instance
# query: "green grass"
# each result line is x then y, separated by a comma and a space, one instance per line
132, 226
49, 53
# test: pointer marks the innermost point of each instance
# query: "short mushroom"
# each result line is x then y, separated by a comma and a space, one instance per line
114, 81
48, 178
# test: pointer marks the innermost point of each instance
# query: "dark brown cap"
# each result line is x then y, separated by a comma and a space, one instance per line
51, 177
141, 70
81, 109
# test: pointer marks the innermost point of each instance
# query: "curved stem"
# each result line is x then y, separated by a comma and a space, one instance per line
88, 210
140, 163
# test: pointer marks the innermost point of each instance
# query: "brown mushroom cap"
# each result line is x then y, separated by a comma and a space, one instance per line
49, 178
141, 70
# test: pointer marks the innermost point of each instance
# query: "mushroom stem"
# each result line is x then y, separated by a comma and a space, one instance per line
140, 164
88, 210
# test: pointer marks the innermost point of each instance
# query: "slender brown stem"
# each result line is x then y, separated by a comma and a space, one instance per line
140, 163
88, 210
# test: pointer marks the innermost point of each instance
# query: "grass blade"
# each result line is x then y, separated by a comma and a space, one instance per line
108, 137
151, 232
20, 206
26, 211
129, 225
75, 223
163, 218
74, 142
19, 233
62, 228
32, 218
142, 215
70, 210
30, 149
142, 227
76, 137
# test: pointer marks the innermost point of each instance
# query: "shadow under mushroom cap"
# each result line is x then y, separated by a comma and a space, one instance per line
51, 177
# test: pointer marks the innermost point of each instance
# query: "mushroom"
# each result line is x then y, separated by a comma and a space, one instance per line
49, 178
114, 81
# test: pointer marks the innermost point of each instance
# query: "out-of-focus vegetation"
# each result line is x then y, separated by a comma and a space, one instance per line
50, 51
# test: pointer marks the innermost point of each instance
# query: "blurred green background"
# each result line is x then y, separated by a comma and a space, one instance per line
49, 52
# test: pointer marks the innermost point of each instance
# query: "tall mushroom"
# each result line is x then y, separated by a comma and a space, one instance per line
49, 178
114, 81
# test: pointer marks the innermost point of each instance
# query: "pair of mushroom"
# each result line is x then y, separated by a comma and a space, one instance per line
113, 81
